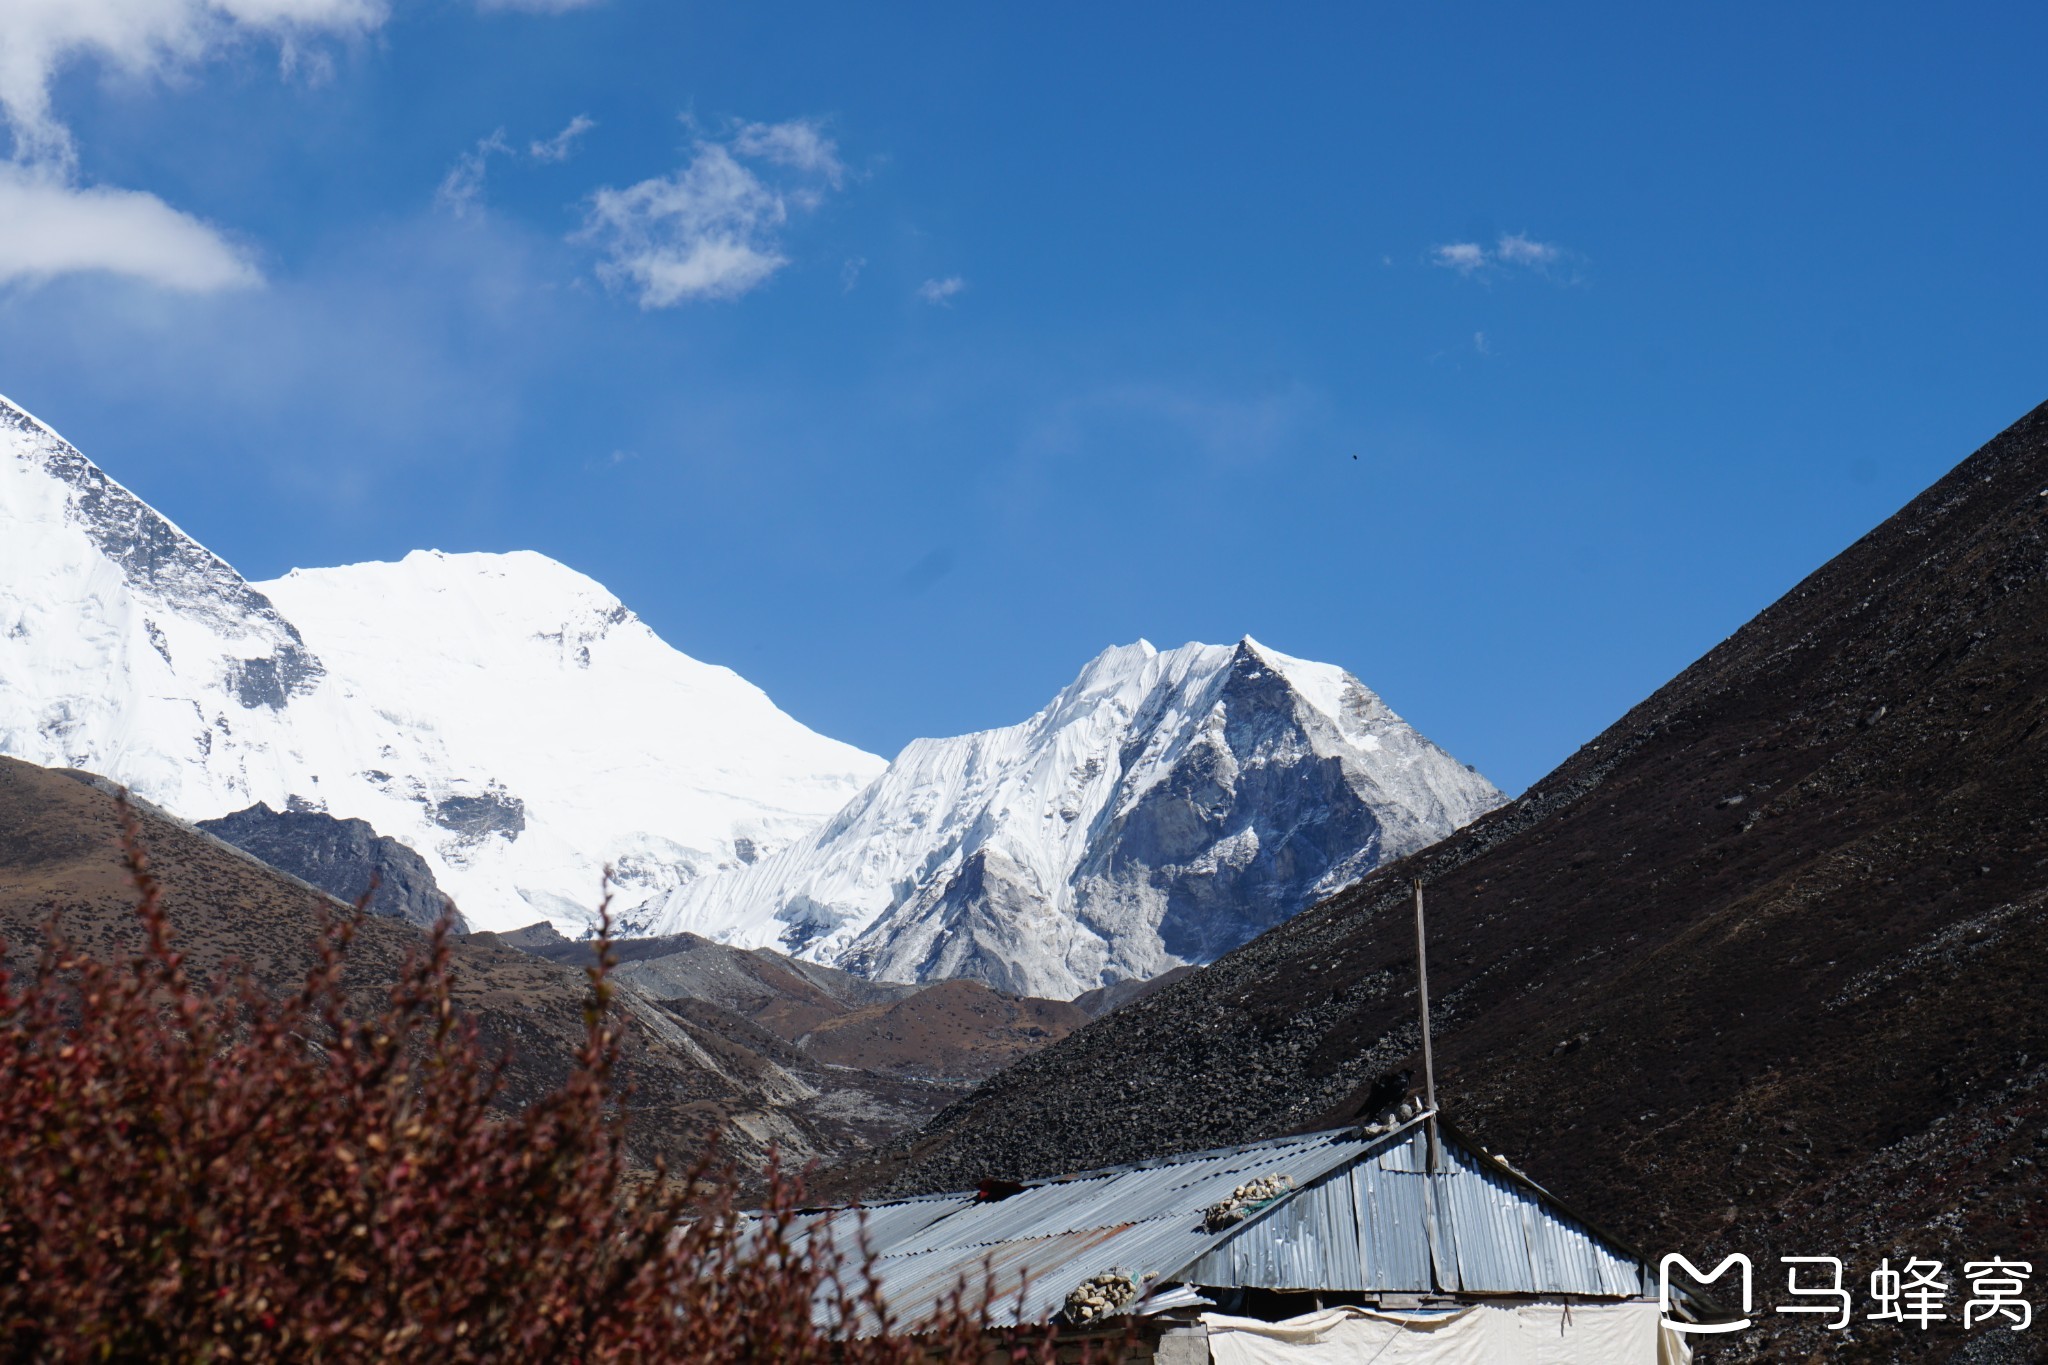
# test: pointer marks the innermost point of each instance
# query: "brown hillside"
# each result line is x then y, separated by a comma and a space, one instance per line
949, 1030
692, 1071
886, 1055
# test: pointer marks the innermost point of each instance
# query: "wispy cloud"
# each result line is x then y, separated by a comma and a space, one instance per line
51, 227
1221, 431
563, 144
799, 144
51, 222
350, 348
1516, 249
536, 6
1512, 250
461, 192
712, 229
1463, 257
54, 223
606, 463
141, 38
941, 292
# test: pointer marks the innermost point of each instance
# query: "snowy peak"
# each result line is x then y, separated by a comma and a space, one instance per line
154, 557
539, 724
59, 508
501, 714
1161, 809
495, 598
466, 617
126, 647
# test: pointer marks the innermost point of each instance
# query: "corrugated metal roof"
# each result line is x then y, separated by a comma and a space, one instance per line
1507, 1236
1364, 1215
1502, 1233
1366, 1228
1143, 1220
879, 1225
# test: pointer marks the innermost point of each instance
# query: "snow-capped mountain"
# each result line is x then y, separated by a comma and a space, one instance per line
503, 715
1163, 809
535, 729
511, 721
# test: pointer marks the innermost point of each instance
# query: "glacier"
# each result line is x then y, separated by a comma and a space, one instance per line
503, 715
1161, 810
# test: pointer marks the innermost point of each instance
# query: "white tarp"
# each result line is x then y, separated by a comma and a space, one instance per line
1479, 1334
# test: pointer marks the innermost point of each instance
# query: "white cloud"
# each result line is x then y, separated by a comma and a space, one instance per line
461, 191
1463, 257
562, 144
941, 291
711, 230
142, 38
1516, 249
50, 227
50, 223
1512, 249
800, 144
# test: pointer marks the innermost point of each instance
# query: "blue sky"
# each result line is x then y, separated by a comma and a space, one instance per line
904, 357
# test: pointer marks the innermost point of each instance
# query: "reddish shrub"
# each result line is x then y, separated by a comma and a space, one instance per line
200, 1171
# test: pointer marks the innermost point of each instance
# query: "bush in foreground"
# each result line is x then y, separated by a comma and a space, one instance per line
207, 1171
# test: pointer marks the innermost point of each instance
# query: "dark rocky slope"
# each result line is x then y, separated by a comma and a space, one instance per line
341, 857
1758, 969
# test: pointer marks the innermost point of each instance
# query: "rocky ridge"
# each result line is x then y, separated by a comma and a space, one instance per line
1164, 808
344, 858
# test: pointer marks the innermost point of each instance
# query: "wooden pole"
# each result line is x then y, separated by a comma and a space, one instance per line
1428, 1061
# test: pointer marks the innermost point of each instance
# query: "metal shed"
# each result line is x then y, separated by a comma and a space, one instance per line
1352, 1218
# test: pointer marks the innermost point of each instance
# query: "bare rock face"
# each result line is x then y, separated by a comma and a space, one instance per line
340, 857
1160, 811
1254, 822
